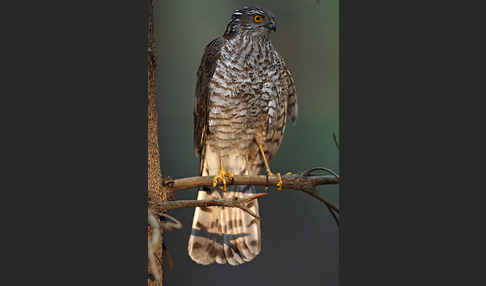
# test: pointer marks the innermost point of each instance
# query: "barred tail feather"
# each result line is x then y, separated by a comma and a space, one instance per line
204, 247
225, 235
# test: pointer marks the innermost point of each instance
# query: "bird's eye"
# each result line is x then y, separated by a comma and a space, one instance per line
258, 19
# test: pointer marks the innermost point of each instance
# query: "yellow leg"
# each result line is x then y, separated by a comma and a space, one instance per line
269, 172
221, 176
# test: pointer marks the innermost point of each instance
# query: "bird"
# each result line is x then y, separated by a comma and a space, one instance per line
244, 95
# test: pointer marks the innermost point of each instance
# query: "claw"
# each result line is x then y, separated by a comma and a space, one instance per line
269, 172
221, 176
280, 182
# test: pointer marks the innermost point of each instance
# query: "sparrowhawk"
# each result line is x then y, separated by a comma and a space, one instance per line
244, 94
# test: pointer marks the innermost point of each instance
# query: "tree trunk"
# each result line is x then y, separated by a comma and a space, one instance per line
154, 172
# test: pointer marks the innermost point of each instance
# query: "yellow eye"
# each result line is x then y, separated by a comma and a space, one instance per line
258, 19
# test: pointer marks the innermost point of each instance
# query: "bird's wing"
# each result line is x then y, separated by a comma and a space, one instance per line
204, 75
288, 89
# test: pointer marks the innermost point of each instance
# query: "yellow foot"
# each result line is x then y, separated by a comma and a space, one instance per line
269, 172
222, 177
280, 182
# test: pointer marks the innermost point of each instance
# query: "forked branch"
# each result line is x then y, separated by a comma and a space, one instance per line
305, 182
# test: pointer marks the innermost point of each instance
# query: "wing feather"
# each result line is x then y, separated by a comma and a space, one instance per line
204, 75
288, 89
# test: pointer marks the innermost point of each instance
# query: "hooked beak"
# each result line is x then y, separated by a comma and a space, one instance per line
271, 26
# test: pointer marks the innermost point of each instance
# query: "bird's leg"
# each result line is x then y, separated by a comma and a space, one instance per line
221, 176
269, 172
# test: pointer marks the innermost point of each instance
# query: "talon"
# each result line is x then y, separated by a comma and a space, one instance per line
280, 182
269, 172
221, 176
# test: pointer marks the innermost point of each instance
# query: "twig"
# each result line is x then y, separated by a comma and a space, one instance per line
154, 243
169, 222
336, 141
240, 203
310, 171
332, 209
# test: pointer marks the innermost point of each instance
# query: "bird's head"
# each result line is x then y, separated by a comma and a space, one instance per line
254, 20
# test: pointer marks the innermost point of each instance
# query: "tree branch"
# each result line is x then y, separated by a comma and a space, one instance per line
305, 182
290, 181
154, 173
230, 202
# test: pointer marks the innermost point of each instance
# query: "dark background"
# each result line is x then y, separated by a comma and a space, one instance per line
300, 238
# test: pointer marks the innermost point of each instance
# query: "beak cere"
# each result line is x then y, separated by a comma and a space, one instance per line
272, 26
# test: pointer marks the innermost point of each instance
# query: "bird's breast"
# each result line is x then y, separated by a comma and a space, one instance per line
244, 94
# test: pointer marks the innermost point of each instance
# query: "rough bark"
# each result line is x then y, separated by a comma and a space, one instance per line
154, 172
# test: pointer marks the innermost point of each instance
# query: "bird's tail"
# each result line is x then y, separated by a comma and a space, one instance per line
224, 234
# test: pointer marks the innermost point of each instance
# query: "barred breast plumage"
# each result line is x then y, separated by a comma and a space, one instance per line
244, 93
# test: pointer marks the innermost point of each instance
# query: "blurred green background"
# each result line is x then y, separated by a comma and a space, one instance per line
298, 232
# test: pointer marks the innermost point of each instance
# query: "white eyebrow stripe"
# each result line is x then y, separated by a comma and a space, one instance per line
250, 12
